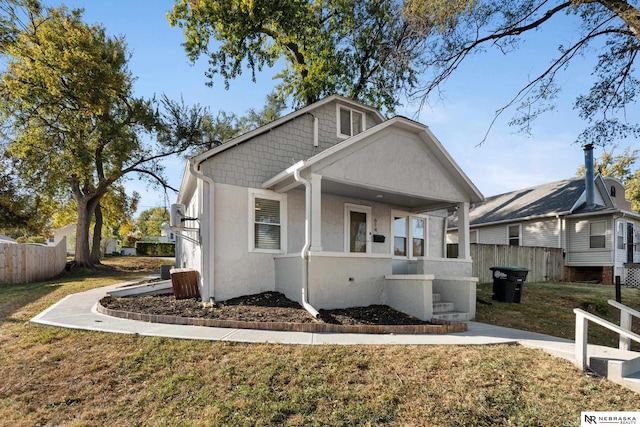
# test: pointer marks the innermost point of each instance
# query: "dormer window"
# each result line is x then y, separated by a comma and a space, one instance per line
613, 191
350, 122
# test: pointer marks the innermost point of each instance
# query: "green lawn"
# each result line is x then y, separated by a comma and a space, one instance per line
58, 377
548, 308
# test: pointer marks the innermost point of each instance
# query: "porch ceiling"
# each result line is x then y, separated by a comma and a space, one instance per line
378, 195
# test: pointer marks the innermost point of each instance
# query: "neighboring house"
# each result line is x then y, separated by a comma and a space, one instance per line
108, 245
7, 239
68, 233
587, 217
332, 205
167, 235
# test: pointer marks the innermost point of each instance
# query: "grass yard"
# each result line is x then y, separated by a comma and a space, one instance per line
548, 308
58, 377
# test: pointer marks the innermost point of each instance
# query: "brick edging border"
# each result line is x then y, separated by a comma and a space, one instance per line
441, 328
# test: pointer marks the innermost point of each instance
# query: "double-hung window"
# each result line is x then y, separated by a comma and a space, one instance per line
620, 235
409, 235
597, 234
350, 122
267, 222
514, 235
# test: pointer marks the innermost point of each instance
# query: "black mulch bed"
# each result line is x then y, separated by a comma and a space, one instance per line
264, 307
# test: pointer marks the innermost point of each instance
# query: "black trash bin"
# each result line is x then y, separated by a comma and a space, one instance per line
507, 283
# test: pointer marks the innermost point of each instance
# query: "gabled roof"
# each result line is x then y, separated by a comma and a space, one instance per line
284, 181
555, 198
282, 120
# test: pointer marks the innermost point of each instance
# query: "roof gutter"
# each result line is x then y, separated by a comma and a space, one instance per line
307, 240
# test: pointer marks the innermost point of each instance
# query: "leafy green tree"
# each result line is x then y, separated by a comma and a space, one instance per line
360, 49
255, 118
225, 126
623, 167
70, 121
150, 220
611, 28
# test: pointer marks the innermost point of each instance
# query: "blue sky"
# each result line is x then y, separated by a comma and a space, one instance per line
505, 161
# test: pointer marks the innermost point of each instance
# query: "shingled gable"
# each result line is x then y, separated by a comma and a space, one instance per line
281, 121
375, 146
555, 198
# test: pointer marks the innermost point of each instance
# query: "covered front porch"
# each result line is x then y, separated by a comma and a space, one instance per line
340, 280
375, 234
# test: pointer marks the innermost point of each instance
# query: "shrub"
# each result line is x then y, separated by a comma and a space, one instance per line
155, 249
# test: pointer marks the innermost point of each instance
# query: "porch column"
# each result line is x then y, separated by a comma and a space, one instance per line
316, 213
464, 247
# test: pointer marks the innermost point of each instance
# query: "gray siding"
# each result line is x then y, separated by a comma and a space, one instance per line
541, 233
494, 235
253, 162
578, 251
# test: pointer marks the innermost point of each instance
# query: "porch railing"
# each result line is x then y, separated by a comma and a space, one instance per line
623, 330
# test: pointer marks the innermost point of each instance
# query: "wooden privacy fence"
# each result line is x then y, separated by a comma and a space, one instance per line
544, 264
24, 263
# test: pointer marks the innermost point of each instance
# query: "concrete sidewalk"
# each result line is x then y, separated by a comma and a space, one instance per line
78, 311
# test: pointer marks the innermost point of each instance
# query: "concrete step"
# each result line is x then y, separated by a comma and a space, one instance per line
440, 307
632, 381
451, 316
622, 368
436, 297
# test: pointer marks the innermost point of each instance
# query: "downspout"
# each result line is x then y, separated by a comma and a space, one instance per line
307, 243
207, 241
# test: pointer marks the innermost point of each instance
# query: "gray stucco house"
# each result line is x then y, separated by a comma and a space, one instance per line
335, 207
588, 217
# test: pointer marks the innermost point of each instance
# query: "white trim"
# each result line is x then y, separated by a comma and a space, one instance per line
409, 216
606, 229
270, 195
519, 234
363, 121
349, 207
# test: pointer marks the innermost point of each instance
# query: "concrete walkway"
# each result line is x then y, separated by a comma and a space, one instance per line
78, 311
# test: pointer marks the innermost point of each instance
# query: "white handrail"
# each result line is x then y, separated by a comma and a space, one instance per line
582, 328
626, 315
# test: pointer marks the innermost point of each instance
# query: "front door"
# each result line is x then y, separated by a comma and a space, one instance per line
358, 228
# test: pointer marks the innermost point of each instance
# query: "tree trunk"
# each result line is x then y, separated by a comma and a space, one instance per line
86, 208
97, 236
82, 257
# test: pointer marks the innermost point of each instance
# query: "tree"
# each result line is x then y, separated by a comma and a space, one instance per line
621, 167
150, 220
23, 213
225, 126
70, 121
609, 27
361, 49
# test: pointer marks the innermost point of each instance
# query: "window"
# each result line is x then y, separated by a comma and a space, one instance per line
514, 235
358, 228
350, 122
400, 236
613, 191
597, 231
409, 235
620, 236
267, 222
417, 233
473, 236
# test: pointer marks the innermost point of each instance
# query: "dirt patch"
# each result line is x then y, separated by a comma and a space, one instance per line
264, 307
